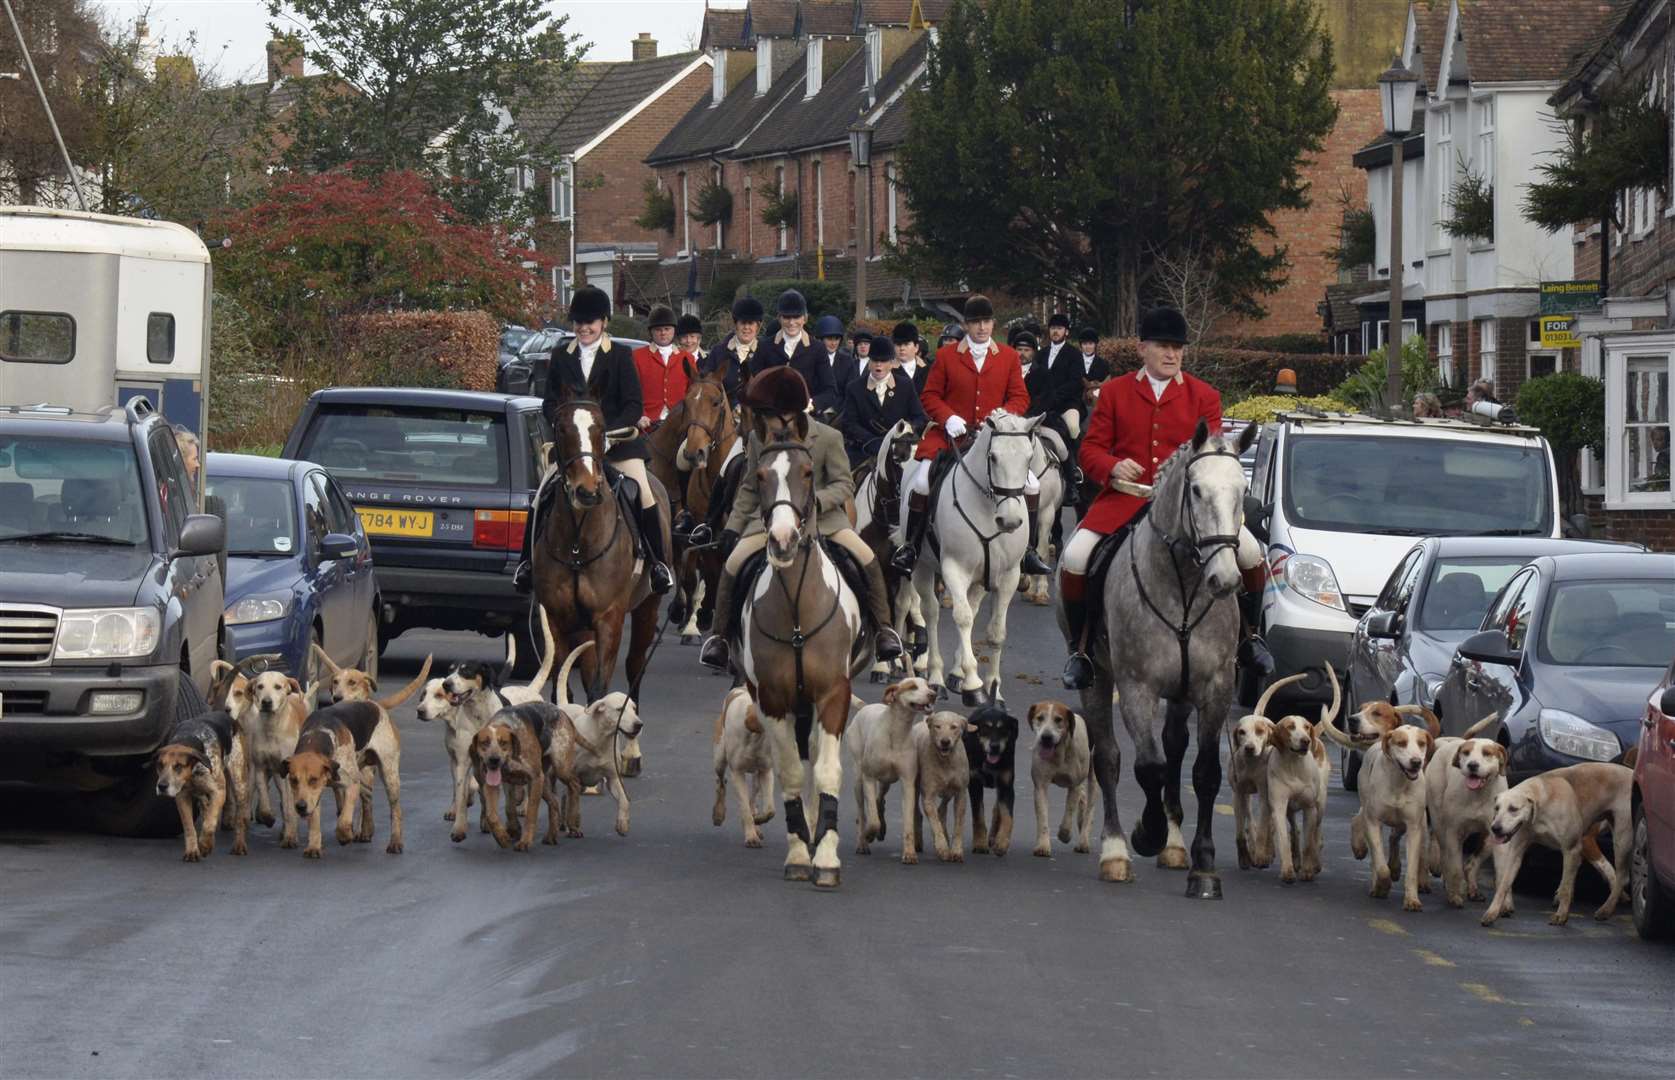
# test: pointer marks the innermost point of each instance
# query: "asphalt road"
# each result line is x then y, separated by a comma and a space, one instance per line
678, 952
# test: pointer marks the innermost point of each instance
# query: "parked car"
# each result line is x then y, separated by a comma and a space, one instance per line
1564, 655
1652, 866
526, 373
442, 481
299, 565
110, 602
1338, 499
1434, 599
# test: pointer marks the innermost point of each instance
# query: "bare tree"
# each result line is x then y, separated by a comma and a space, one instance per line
1186, 277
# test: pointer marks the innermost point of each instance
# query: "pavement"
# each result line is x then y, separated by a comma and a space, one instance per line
677, 952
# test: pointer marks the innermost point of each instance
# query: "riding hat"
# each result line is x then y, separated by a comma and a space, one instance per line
777, 390
1020, 338
950, 332
1087, 333
747, 309
828, 326
791, 305
589, 304
661, 315
883, 350
1059, 318
861, 334
904, 333
688, 324
977, 306
1163, 324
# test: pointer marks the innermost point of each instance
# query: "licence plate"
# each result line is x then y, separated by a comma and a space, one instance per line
396, 522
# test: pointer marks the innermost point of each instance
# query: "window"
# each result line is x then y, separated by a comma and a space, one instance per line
1506, 600
72, 485
1639, 401
815, 75
173, 496
819, 204
316, 517
720, 226
1620, 623
159, 338
1410, 328
1544, 363
412, 445
1394, 584
1461, 589
779, 186
1486, 139
261, 515
764, 65
1486, 350
685, 217
875, 56
37, 337
1515, 623
718, 76
1445, 353
523, 178
563, 197
890, 198
1443, 182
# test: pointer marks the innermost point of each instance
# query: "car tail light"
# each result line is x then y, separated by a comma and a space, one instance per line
499, 530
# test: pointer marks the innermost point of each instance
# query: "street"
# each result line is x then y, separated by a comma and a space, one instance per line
677, 952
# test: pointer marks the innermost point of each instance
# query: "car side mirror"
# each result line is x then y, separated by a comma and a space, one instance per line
338, 546
203, 534
1666, 704
1256, 517
1490, 647
1577, 527
1384, 624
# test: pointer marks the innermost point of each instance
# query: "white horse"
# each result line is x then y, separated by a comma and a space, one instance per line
1050, 451
979, 520
882, 485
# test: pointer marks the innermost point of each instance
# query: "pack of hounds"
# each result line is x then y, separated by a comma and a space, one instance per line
1430, 805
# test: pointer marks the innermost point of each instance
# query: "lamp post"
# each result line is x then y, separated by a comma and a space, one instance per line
860, 154
1397, 88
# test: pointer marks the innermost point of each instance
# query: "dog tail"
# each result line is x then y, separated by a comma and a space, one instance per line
1482, 725
511, 660
409, 690
1329, 715
325, 659
1431, 723
564, 672
1334, 735
1274, 688
726, 707
549, 652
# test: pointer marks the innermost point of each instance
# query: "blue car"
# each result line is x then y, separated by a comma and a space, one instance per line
299, 566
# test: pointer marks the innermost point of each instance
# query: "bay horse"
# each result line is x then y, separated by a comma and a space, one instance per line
1171, 631
588, 577
688, 450
878, 486
797, 636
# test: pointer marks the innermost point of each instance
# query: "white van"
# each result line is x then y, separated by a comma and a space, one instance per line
1341, 497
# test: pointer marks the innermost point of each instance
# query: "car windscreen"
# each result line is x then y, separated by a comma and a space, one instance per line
261, 515
1404, 486
1460, 591
1610, 624
70, 491
409, 444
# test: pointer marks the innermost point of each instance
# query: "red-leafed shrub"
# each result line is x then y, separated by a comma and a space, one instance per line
449, 349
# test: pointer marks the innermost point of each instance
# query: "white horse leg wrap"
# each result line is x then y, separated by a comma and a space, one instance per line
1079, 550
1249, 553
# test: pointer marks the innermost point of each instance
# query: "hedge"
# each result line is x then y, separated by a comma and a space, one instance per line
455, 350
1242, 373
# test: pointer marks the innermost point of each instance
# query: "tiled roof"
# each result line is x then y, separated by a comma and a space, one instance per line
1605, 49
1528, 40
709, 130
723, 28
891, 128
608, 90
1431, 33
825, 118
828, 17
886, 12
1377, 152
935, 11
772, 18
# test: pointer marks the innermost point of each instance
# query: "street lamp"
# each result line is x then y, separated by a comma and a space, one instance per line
860, 155
1397, 89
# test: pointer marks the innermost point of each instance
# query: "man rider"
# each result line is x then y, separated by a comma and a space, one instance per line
781, 392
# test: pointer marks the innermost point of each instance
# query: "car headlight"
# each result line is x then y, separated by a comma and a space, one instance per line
259, 609
1570, 734
1311, 577
106, 633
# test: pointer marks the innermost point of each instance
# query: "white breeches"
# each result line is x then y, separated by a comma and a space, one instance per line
1072, 422
1080, 549
921, 481
636, 468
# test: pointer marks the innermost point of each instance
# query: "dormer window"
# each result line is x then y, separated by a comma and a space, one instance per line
816, 66
764, 65
875, 56
718, 75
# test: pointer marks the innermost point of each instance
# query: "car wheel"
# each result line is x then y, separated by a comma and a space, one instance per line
131, 806
1653, 906
369, 656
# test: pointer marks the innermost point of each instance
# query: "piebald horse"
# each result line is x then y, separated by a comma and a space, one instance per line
587, 574
878, 486
1171, 631
796, 650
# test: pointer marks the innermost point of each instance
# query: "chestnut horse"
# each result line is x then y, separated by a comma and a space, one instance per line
687, 451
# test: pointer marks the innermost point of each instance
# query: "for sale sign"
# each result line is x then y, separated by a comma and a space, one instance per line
1559, 332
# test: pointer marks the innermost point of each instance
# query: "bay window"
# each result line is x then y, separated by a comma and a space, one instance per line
1639, 401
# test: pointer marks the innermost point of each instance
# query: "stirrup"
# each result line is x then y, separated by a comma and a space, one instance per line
522, 578
886, 645
905, 558
1032, 563
1078, 672
714, 653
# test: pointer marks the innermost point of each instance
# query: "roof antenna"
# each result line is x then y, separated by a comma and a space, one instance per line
28, 62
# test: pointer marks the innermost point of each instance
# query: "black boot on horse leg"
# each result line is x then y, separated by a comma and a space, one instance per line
918, 515
1173, 855
715, 652
1203, 883
1032, 563
657, 560
1078, 670
1253, 650
523, 578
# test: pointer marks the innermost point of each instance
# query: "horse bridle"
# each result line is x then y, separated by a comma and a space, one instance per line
995, 493
803, 512
1192, 548
575, 561
707, 429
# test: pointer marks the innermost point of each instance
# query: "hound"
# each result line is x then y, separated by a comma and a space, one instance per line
269, 710
991, 749
741, 748
1462, 780
879, 739
333, 749
1249, 746
1392, 791
352, 684
1061, 757
595, 760
1561, 810
942, 776
509, 755
1297, 780
200, 760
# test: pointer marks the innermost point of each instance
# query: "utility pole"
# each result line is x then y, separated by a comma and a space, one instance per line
29, 62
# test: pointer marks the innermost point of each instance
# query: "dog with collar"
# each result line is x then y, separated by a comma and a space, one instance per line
1563, 810
991, 748
879, 739
200, 764
1462, 780
741, 749
334, 749
1061, 758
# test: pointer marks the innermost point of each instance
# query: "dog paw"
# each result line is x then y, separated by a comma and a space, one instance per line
1309, 874
1380, 890
575, 834
191, 855
1064, 834
1359, 850
457, 836
1288, 876
909, 858
1412, 904
311, 853
1559, 918
523, 844
955, 856
551, 839
753, 841
1487, 920
1044, 851
1455, 900
622, 828
239, 848
765, 816
344, 836
1081, 849
1424, 886
863, 848
718, 819
1474, 894
447, 815
266, 818
980, 848
999, 851
287, 842
503, 839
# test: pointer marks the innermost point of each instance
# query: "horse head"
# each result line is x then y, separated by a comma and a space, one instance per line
578, 427
785, 479
1007, 445
1198, 503
895, 450
707, 414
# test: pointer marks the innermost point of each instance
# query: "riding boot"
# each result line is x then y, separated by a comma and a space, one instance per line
1072, 475
1253, 650
1032, 562
715, 650
886, 646
1078, 670
657, 566
683, 523
918, 516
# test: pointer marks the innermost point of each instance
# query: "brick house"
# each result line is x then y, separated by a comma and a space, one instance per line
598, 129
1629, 341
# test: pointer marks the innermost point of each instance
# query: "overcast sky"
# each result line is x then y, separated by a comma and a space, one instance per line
233, 33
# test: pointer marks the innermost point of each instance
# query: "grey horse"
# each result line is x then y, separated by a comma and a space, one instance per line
1169, 600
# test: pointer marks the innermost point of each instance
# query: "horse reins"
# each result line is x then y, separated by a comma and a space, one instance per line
995, 495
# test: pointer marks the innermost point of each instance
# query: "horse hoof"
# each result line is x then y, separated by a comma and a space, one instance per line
1116, 870
971, 699
942, 693
877, 677
1203, 886
1145, 846
827, 879
798, 872
690, 639
1172, 859
631, 768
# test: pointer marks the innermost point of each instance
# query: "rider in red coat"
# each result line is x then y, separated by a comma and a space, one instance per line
662, 368
1139, 421
970, 379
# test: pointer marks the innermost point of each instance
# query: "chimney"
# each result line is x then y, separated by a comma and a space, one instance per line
284, 59
644, 46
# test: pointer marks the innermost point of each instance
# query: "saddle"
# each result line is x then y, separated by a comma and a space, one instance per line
1099, 563
853, 576
624, 487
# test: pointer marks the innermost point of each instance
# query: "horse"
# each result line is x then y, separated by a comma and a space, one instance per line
978, 520
587, 574
1172, 628
687, 451
878, 485
1050, 452
797, 652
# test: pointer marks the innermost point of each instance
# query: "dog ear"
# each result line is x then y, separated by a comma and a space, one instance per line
292, 684
1430, 747
891, 692
337, 770
371, 683
284, 766
970, 728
